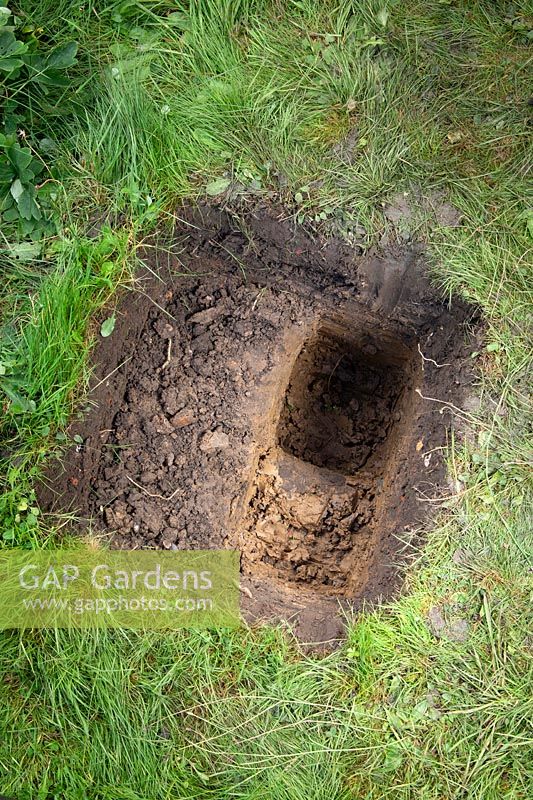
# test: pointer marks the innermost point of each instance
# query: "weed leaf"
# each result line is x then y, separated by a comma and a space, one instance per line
64, 56
16, 190
19, 403
108, 326
217, 186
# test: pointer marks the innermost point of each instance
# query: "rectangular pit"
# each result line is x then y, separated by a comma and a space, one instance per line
317, 514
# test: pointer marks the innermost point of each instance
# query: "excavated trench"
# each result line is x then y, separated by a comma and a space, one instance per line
266, 394
316, 509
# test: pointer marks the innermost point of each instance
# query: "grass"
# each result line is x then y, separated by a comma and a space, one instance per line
46, 348
295, 98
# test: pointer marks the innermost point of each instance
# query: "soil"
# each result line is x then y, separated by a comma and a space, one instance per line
265, 390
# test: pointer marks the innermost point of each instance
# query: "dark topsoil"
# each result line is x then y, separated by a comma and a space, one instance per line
265, 392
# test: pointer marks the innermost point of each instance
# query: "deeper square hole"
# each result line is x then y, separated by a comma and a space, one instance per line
342, 402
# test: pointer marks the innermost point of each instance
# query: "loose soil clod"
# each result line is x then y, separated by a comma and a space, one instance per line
273, 407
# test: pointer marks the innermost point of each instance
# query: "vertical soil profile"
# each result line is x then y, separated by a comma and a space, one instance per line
270, 392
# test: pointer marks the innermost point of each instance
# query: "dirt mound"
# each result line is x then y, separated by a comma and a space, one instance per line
267, 395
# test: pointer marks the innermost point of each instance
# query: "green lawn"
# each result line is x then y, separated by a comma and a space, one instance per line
335, 107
